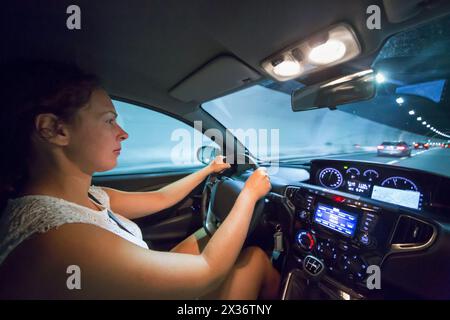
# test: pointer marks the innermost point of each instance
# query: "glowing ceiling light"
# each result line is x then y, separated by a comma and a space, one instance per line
328, 52
287, 68
411, 112
419, 118
319, 51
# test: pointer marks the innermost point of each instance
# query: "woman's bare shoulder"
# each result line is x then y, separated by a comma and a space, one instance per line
40, 265
109, 267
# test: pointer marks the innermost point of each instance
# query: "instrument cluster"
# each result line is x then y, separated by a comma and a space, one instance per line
358, 181
389, 184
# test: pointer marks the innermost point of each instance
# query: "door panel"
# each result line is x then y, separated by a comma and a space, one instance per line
161, 230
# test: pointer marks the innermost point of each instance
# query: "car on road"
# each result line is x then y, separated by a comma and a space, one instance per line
421, 145
394, 148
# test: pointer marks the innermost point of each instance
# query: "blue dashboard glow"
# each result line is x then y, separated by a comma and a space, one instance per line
336, 219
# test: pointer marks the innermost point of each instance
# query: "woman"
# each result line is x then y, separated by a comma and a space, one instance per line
60, 128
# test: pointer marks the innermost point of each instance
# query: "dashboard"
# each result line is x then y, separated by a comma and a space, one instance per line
396, 185
349, 216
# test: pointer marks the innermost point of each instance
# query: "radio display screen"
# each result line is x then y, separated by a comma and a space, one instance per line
336, 219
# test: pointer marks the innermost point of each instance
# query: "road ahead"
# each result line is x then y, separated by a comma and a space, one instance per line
435, 160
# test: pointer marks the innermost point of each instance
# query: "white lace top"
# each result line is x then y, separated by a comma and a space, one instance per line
27, 215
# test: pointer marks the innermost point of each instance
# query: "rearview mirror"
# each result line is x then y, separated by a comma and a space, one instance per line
207, 153
355, 87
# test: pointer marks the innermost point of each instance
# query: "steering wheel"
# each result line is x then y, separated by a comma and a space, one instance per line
220, 194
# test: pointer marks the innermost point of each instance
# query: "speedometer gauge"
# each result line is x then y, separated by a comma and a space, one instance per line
371, 174
353, 172
401, 183
330, 178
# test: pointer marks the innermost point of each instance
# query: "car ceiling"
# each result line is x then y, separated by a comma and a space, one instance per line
143, 49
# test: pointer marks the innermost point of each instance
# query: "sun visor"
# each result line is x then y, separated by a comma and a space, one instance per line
218, 76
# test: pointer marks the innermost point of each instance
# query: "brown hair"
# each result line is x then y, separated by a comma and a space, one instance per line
29, 88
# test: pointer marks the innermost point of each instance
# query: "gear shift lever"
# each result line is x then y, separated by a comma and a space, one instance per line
313, 270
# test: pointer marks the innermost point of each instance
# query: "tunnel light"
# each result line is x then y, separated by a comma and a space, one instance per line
428, 126
419, 118
411, 112
380, 78
424, 122
400, 100
322, 50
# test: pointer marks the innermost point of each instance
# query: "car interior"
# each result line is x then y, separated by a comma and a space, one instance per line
340, 228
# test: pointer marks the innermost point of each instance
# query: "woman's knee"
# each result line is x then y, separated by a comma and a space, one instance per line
254, 254
269, 278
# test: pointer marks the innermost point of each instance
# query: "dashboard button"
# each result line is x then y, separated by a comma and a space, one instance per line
343, 247
365, 239
303, 215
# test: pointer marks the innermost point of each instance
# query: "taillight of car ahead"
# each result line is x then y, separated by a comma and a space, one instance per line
426, 145
380, 147
401, 147
416, 145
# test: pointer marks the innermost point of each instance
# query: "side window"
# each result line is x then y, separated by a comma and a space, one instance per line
156, 142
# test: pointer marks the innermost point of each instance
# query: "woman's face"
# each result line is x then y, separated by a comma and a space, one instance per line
95, 136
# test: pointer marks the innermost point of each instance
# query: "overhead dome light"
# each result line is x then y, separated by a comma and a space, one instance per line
328, 52
411, 112
287, 68
322, 50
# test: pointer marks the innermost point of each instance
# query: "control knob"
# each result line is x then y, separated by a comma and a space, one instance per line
306, 240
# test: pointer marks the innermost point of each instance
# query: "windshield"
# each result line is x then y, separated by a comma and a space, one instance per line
411, 105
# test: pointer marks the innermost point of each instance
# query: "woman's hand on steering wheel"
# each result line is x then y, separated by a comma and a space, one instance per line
218, 165
258, 184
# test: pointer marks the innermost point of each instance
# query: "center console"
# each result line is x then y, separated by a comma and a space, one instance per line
343, 233
353, 220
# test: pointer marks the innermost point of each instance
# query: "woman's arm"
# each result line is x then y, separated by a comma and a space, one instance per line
112, 267
133, 205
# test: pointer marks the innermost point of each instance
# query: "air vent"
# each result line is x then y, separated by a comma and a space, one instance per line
411, 233
294, 194
290, 192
